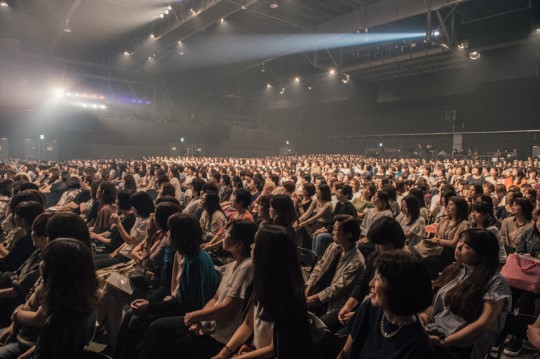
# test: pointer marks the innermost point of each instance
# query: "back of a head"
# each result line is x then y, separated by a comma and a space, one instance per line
408, 284
143, 203
28, 211
186, 233
277, 279
68, 225
387, 231
163, 211
69, 277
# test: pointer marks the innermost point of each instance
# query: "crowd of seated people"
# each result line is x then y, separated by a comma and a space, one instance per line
206, 257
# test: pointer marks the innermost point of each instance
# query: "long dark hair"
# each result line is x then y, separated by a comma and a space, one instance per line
186, 234
277, 280
473, 288
212, 204
69, 277
487, 210
284, 207
462, 208
413, 207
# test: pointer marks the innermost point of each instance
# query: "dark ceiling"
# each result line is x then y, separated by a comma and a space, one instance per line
100, 30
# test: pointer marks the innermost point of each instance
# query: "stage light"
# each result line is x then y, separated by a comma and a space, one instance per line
310, 87
282, 91
297, 79
435, 33
380, 144
59, 93
126, 53
538, 29
332, 72
181, 139
269, 86
222, 20
166, 12
152, 36
244, 7
84, 105
475, 55
274, 5
67, 29
345, 78
461, 46
287, 142
263, 68
103, 107
169, 7
161, 15
4, 4
41, 137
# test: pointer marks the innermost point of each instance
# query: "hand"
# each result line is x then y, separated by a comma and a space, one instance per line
116, 218
219, 356
140, 305
312, 298
363, 240
437, 341
113, 254
533, 334
195, 329
344, 315
190, 318
93, 235
4, 337
138, 256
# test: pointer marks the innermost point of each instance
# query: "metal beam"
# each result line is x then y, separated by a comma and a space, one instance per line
74, 6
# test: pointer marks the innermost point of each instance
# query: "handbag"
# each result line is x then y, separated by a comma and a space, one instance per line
522, 272
428, 249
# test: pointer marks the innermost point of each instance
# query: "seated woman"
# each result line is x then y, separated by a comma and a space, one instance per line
387, 235
112, 300
438, 251
323, 236
142, 206
27, 320
69, 300
471, 295
365, 200
528, 244
414, 226
204, 332
194, 283
20, 247
109, 241
483, 217
106, 195
335, 274
513, 227
317, 216
240, 200
276, 318
212, 218
381, 201
282, 213
387, 325
67, 201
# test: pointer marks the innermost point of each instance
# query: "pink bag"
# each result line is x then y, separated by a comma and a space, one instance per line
522, 272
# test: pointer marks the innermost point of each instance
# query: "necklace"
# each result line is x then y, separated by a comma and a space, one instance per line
388, 335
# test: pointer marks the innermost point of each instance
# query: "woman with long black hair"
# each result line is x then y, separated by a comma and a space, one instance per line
470, 298
277, 316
